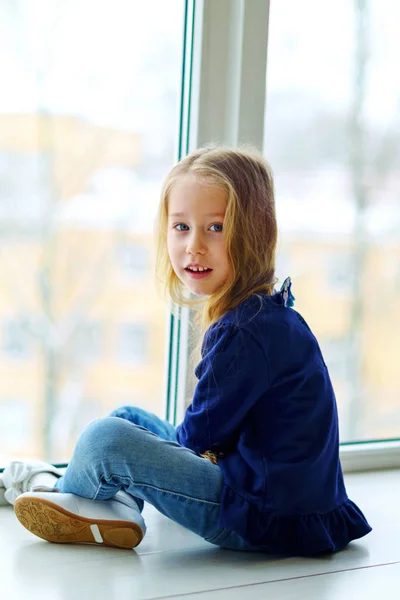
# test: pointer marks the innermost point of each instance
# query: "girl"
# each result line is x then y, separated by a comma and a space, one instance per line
255, 464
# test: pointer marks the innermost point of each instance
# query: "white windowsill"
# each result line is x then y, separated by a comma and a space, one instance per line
370, 456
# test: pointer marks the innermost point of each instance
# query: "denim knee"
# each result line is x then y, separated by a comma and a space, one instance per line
99, 460
102, 438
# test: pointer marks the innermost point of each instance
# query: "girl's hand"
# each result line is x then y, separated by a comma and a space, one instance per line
210, 456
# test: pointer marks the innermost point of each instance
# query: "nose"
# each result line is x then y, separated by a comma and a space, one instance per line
195, 243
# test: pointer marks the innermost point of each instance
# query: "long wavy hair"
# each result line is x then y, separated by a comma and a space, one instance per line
249, 229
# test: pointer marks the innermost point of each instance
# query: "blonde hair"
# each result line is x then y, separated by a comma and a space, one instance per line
250, 228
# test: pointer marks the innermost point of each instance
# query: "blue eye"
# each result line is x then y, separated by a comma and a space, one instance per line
178, 227
217, 226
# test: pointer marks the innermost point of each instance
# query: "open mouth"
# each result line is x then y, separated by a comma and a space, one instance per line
198, 272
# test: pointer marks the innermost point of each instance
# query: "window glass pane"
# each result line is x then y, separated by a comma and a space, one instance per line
333, 140
89, 113
133, 342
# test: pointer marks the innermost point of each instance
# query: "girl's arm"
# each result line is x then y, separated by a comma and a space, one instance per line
233, 376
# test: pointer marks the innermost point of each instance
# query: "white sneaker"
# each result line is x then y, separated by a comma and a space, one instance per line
17, 475
67, 518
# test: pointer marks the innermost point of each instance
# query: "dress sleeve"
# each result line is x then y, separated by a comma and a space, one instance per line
233, 376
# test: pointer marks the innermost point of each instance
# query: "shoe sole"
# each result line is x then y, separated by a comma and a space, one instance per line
55, 524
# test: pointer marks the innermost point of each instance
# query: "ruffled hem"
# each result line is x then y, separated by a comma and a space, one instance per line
295, 535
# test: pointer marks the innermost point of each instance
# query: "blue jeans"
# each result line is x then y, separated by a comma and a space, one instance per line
135, 451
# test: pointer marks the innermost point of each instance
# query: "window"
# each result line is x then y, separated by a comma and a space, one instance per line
17, 341
87, 133
134, 260
333, 137
89, 123
133, 343
88, 340
339, 271
15, 427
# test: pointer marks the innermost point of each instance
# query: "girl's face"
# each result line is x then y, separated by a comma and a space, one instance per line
196, 246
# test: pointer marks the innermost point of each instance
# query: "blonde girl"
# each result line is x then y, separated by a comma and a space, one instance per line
255, 463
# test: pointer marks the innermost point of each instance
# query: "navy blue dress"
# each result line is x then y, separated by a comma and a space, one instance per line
264, 404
